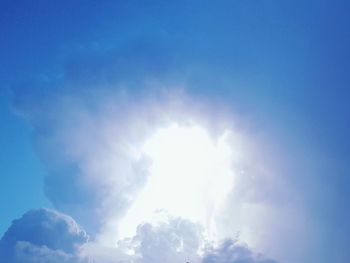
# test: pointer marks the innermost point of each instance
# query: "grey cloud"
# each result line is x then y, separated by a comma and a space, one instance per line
232, 252
26, 252
41, 236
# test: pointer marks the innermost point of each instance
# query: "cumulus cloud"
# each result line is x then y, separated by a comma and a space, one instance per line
47, 236
177, 240
91, 120
90, 138
170, 240
42, 236
89, 135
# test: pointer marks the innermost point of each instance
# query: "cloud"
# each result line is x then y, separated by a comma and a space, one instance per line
47, 236
41, 236
177, 240
231, 251
91, 119
29, 253
89, 135
170, 240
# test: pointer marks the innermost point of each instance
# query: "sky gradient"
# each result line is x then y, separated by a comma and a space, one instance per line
85, 84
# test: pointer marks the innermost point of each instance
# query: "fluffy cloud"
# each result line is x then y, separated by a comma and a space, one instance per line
89, 124
90, 138
46, 236
88, 134
177, 240
41, 236
88, 118
170, 240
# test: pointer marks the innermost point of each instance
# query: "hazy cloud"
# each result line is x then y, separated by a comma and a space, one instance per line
231, 251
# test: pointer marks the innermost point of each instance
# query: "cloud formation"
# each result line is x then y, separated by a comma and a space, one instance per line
230, 251
42, 236
91, 119
89, 129
46, 236
96, 102
90, 135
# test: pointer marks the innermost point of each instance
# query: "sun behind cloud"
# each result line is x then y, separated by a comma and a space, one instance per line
190, 176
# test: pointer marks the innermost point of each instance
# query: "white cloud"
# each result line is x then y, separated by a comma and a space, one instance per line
89, 133
46, 236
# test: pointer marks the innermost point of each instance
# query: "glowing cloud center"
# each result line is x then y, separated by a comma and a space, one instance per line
190, 176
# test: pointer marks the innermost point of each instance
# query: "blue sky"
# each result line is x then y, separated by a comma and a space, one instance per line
278, 70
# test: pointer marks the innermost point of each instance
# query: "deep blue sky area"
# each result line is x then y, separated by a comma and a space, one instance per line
289, 62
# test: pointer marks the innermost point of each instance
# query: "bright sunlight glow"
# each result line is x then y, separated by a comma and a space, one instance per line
190, 176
